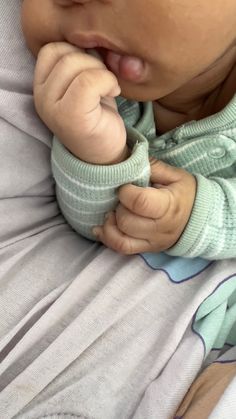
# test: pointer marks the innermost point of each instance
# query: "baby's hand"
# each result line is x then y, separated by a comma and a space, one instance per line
150, 219
74, 95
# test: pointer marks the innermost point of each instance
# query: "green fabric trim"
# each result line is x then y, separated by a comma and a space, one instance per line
201, 211
105, 175
86, 192
214, 123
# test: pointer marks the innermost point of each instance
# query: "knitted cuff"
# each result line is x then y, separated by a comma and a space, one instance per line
189, 244
135, 167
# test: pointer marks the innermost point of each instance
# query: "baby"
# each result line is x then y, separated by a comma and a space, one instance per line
154, 170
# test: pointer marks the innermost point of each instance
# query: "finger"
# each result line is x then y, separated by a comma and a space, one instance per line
111, 237
164, 174
134, 225
146, 202
110, 102
68, 67
89, 87
48, 56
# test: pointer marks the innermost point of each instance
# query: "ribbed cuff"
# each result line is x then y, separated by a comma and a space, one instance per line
199, 217
105, 175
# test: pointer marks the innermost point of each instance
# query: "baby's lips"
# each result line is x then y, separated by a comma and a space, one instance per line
125, 66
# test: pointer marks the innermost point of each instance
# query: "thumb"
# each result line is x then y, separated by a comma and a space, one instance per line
162, 173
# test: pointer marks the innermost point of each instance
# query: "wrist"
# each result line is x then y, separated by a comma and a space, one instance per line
123, 155
102, 158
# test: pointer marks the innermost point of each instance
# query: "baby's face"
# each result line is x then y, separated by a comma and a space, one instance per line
176, 40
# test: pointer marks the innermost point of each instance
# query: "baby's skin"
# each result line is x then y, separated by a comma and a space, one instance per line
180, 55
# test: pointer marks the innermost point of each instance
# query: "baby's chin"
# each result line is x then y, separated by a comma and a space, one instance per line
143, 92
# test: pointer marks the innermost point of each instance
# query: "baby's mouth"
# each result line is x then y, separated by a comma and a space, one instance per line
126, 67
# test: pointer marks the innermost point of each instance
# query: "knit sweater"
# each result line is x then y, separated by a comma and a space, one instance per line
206, 148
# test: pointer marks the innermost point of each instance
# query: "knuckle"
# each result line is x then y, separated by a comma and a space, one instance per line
122, 222
67, 59
48, 50
119, 244
56, 48
166, 203
111, 75
140, 203
85, 79
123, 247
45, 49
173, 204
94, 62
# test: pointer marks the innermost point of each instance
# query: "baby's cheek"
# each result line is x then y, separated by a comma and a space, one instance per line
40, 24
27, 22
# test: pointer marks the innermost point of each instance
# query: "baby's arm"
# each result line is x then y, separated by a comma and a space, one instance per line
187, 216
211, 231
74, 96
86, 193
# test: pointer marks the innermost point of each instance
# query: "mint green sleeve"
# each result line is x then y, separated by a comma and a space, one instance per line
211, 230
86, 192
